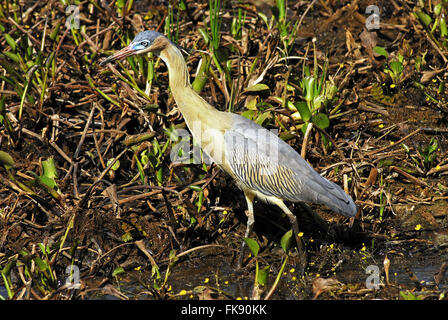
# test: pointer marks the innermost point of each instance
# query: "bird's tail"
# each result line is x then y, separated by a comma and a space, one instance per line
325, 192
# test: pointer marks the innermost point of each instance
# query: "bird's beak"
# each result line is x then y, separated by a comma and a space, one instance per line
119, 55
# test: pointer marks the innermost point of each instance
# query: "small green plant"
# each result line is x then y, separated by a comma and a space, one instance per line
394, 67
236, 28
287, 31
159, 283
261, 275
433, 19
408, 295
428, 153
36, 269
318, 94
47, 178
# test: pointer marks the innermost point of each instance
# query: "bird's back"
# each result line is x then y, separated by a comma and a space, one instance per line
263, 162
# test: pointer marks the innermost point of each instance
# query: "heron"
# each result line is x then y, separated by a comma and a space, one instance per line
262, 164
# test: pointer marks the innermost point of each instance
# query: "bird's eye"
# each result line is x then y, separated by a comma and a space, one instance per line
144, 43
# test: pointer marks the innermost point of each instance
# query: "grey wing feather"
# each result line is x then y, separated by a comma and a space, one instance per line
265, 163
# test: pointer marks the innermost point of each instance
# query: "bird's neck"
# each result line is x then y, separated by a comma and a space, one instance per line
207, 124
177, 68
192, 106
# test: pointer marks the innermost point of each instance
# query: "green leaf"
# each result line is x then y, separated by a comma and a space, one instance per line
438, 9
381, 51
253, 246
304, 111
249, 114
42, 265
286, 241
45, 249
433, 145
49, 169
6, 160
203, 32
195, 188
49, 182
405, 147
263, 274
443, 27
55, 31
308, 86
305, 127
407, 295
12, 56
159, 176
117, 271
321, 120
11, 42
127, 237
6, 275
424, 18
257, 87
396, 67
262, 118
252, 104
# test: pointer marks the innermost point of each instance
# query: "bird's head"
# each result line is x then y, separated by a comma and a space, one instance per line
145, 41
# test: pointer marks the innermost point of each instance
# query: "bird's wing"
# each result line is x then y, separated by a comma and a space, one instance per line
265, 163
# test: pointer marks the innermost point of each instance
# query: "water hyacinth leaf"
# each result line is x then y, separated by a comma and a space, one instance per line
286, 241
262, 118
262, 277
321, 120
249, 114
381, 51
304, 111
252, 104
308, 87
49, 184
253, 246
396, 67
49, 168
117, 271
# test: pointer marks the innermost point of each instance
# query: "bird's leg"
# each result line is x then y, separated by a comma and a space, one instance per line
295, 228
250, 223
